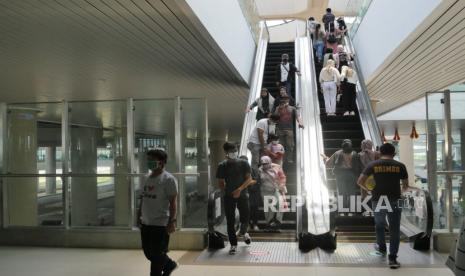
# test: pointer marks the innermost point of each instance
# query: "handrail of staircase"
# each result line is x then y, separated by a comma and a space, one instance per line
367, 116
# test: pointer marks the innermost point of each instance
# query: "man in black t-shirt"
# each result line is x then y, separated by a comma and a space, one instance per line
388, 175
233, 176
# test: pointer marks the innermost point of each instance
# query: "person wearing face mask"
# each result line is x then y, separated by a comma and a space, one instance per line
234, 176
282, 94
285, 72
273, 189
265, 105
346, 168
275, 150
287, 114
259, 137
156, 214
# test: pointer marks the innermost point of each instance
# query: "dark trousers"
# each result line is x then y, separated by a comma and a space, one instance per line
155, 241
230, 205
393, 217
254, 203
349, 97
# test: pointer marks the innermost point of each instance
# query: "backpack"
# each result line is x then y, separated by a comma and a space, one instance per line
331, 37
356, 168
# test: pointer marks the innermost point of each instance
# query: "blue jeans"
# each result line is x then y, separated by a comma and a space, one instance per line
319, 47
394, 227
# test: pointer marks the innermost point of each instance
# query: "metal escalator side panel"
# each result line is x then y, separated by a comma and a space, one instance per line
312, 174
255, 88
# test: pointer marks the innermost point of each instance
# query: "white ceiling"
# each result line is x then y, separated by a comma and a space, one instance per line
430, 60
114, 49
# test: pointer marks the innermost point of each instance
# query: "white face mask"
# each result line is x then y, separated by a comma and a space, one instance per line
275, 142
266, 166
233, 155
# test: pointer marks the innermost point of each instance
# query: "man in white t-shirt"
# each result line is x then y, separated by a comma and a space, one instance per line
157, 213
259, 137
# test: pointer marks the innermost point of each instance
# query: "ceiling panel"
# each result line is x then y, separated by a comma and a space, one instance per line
114, 49
432, 61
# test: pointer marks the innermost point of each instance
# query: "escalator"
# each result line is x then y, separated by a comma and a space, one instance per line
313, 224
356, 228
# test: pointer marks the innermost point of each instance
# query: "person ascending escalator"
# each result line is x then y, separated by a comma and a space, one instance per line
346, 168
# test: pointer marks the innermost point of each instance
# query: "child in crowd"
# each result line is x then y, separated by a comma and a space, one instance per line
275, 150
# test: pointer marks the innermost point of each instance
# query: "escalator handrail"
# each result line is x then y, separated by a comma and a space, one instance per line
255, 86
370, 124
311, 175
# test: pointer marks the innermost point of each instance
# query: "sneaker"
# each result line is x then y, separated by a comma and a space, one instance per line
393, 263
346, 113
169, 268
352, 113
255, 228
247, 238
380, 250
233, 250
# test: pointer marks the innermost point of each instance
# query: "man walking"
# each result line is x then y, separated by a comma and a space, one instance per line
285, 73
157, 213
234, 177
388, 175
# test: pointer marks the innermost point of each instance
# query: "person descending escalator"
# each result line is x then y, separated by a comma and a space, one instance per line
234, 176
273, 189
287, 116
329, 82
346, 168
348, 87
255, 197
285, 73
265, 105
282, 94
275, 150
259, 137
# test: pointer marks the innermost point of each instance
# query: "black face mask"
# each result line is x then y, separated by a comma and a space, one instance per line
285, 60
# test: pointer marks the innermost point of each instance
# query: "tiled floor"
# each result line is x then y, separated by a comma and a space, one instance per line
25, 261
347, 254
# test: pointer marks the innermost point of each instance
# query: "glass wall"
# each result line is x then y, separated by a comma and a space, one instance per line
93, 175
34, 147
446, 137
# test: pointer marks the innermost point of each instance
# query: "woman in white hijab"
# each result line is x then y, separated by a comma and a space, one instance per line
273, 188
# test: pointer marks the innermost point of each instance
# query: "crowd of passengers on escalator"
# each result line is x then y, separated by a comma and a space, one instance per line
337, 78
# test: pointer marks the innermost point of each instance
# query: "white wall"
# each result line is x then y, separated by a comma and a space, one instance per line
386, 24
287, 32
226, 23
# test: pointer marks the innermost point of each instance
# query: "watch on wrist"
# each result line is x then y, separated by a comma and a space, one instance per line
172, 220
